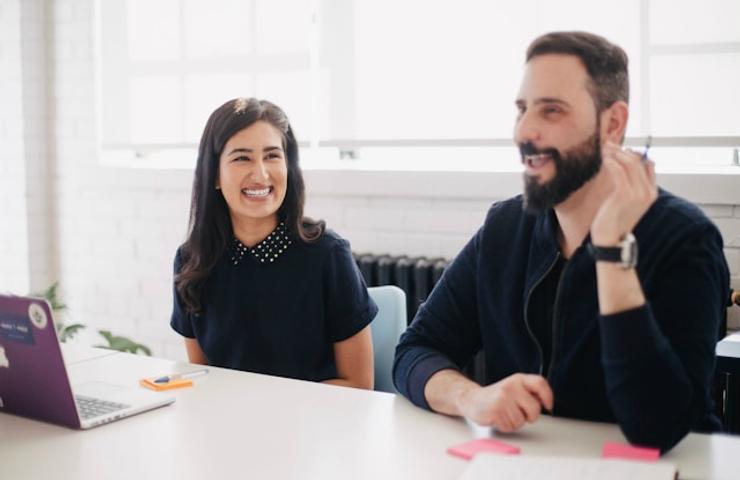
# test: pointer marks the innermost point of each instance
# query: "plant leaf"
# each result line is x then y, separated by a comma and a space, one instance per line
123, 344
52, 295
70, 331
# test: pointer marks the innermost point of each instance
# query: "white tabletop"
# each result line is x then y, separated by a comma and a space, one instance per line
729, 346
241, 425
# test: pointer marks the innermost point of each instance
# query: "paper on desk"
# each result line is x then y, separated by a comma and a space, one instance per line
519, 467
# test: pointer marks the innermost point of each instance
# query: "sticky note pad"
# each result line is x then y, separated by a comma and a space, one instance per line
150, 383
623, 450
468, 450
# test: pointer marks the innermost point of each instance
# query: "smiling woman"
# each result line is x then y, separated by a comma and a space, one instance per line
253, 177
258, 286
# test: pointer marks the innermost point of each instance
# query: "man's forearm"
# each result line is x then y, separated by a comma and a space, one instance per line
619, 289
446, 390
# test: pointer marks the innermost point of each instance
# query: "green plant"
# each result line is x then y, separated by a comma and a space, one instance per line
123, 344
67, 332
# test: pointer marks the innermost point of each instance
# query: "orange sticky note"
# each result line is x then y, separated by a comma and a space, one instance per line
180, 383
468, 450
630, 452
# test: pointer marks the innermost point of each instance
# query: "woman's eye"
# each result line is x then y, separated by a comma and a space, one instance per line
241, 159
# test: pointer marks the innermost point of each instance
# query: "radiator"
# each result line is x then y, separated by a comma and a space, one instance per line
415, 276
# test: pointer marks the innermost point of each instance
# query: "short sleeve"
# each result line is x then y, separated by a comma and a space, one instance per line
180, 320
348, 306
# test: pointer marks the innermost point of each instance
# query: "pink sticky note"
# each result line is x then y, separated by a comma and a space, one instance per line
622, 450
468, 450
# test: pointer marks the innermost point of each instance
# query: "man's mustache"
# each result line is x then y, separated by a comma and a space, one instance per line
528, 148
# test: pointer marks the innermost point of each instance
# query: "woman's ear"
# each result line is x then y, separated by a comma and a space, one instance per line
614, 122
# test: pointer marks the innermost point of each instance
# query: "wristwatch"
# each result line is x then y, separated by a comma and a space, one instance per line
625, 254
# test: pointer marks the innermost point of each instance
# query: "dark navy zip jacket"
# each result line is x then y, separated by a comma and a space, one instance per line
648, 369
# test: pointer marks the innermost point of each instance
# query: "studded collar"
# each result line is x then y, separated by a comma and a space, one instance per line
267, 251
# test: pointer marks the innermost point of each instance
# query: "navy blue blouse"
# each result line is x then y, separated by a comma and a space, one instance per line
279, 317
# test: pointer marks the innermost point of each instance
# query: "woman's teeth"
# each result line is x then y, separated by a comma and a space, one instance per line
261, 192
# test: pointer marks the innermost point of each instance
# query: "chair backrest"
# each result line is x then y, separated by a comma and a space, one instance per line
387, 327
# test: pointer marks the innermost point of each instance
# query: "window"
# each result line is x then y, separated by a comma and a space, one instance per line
415, 84
166, 65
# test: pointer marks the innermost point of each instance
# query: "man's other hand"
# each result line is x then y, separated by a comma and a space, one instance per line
508, 404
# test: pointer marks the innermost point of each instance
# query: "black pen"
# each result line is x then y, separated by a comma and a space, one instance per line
647, 147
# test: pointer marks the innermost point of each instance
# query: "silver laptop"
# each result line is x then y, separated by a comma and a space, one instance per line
33, 375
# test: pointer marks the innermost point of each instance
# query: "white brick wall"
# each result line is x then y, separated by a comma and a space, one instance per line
39, 166
116, 230
14, 265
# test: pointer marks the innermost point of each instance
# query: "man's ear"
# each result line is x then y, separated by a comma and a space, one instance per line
614, 122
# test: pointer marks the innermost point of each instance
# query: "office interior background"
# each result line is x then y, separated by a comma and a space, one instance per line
404, 110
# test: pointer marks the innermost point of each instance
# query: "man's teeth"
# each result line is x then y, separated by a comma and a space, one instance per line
262, 192
537, 160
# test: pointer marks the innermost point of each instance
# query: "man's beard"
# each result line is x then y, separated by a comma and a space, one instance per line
576, 167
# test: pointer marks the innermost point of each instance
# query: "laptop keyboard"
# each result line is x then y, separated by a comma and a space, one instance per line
94, 407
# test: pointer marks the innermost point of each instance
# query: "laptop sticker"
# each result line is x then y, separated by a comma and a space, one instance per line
16, 328
38, 316
4, 362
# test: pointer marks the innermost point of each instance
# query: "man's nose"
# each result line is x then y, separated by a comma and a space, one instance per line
526, 129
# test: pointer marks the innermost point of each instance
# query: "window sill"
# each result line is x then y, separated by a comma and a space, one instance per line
705, 185
713, 187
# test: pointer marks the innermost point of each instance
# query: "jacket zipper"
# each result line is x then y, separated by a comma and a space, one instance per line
554, 321
526, 311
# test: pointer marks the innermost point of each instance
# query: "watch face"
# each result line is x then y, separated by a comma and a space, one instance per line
629, 251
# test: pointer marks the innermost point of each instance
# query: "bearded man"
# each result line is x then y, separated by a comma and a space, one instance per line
595, 294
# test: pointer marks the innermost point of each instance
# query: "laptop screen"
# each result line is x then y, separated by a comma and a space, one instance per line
33, 377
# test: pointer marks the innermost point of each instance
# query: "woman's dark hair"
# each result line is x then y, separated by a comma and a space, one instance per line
605, 62
210, 229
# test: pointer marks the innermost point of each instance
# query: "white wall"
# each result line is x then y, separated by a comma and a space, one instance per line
113, 232
14, 271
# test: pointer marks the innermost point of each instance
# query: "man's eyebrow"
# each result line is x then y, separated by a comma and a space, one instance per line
559, 101
521, 103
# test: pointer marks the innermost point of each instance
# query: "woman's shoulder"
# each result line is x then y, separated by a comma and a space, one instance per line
179, 258
328, 241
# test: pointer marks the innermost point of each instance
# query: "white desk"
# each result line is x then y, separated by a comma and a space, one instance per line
240, 425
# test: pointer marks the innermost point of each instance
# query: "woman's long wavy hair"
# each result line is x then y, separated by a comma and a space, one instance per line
210, 229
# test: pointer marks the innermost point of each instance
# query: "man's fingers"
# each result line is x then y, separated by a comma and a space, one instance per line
641, 174
651, 173
530, 406
516, 416
502, 422
633, 167
617, 173
537, 385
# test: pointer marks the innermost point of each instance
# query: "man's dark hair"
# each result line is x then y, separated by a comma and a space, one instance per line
605, 62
